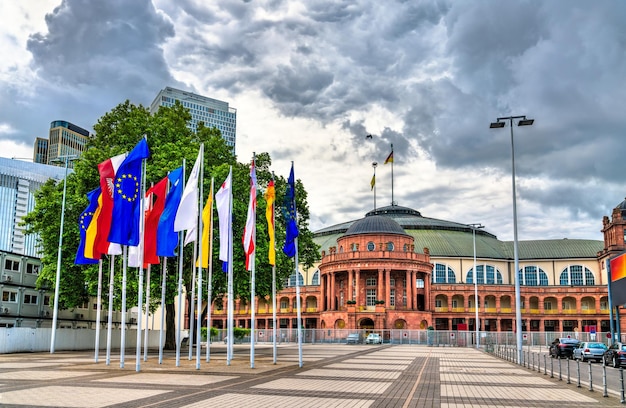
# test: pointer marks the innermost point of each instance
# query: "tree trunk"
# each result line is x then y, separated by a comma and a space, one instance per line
170, 327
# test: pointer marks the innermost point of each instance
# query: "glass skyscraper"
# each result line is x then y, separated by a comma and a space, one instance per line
213, 112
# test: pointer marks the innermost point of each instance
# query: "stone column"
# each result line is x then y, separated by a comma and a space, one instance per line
333, 303
409, 303
358, 284
387, 288
350, 288
379, 285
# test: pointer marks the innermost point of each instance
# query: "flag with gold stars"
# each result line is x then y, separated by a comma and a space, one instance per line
83, 223
127, 192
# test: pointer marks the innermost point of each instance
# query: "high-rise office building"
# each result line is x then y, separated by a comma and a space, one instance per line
19, 181
65, 139
213, 112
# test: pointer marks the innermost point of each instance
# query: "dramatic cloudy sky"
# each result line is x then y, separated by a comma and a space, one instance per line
310, 79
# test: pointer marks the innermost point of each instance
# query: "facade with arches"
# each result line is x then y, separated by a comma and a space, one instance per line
395, 269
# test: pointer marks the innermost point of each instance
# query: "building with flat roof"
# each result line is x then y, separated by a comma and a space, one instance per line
64, 139
212, 112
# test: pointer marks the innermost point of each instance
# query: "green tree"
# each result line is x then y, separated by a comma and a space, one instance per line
170, 143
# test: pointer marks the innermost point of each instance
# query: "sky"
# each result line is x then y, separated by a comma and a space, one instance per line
312, 79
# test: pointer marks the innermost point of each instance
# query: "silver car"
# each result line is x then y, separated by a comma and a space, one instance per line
589, 350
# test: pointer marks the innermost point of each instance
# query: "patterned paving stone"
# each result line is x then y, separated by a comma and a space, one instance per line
60, 396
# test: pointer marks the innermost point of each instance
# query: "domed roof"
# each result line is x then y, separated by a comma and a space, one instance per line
622, 207
375, 224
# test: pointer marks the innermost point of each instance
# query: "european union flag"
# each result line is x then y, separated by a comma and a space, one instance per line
167, 238
84, 221
290, 213
127, 197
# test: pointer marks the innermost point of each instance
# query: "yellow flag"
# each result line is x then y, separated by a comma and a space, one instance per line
270, 197
206, 230
373, 182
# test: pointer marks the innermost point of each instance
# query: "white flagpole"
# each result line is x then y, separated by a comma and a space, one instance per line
180, 285
123, 320
275, 350
163, 280
199, 245
99, 306
231, 311
298, 304
110, 318
143, 204
209, 280
145, 334
192, 303
252, 277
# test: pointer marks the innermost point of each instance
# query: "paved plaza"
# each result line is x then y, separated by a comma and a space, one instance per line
336, 375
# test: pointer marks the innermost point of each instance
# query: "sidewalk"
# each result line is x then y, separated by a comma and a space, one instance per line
336, 375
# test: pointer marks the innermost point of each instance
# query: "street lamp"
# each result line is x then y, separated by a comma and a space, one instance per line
476, 324
500, 123
55, 313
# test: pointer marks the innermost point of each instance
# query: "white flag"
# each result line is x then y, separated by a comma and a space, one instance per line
187, 213
222, 202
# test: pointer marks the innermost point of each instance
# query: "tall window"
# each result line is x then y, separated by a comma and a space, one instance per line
370, 297
443, 274
316, 278
392, 297
292, 279
532, 276
485, 274
577, 275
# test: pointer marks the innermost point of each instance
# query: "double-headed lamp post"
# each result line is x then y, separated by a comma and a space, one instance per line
55, 312
500, 123
475, 276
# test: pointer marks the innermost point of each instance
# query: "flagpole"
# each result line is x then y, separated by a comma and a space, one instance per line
252, 261
192, 301
180, 285
99, 305
147, 316
273, 227
142, 217
199, 245
209, 283
123, 320
110, 318
163, 281
392, 160
298, 305
229, 353
374, 183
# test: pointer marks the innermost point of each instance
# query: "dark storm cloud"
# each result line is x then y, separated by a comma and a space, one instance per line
94, 55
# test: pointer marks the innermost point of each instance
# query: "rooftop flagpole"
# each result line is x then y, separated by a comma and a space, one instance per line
389, 159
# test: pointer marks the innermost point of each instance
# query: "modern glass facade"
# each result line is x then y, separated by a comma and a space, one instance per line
213, 112
19, 181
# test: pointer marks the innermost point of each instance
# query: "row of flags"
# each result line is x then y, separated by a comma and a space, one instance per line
112, 217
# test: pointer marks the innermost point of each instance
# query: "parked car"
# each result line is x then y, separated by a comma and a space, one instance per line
563, 347
615, 355
374, 338
589, 350
353, 338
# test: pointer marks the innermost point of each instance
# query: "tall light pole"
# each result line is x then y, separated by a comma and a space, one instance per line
476, 324
55, 312
500, 123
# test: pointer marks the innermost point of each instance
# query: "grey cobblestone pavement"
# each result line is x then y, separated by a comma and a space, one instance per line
335, 375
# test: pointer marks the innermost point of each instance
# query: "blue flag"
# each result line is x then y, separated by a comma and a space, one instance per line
127, 197
291, 232
167, 238
84, 221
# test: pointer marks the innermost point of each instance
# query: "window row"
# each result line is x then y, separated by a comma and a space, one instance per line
573, 275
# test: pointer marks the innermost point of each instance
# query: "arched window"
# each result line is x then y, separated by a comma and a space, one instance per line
316, 278
443, 274
573, 275
532, 276
292, 280
485, 274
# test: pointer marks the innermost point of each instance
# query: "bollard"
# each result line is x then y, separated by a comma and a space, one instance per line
568, 376
545, 365
560, 370
551, 367
578, 372
590, 378
621, 379
604, 384
538, 363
